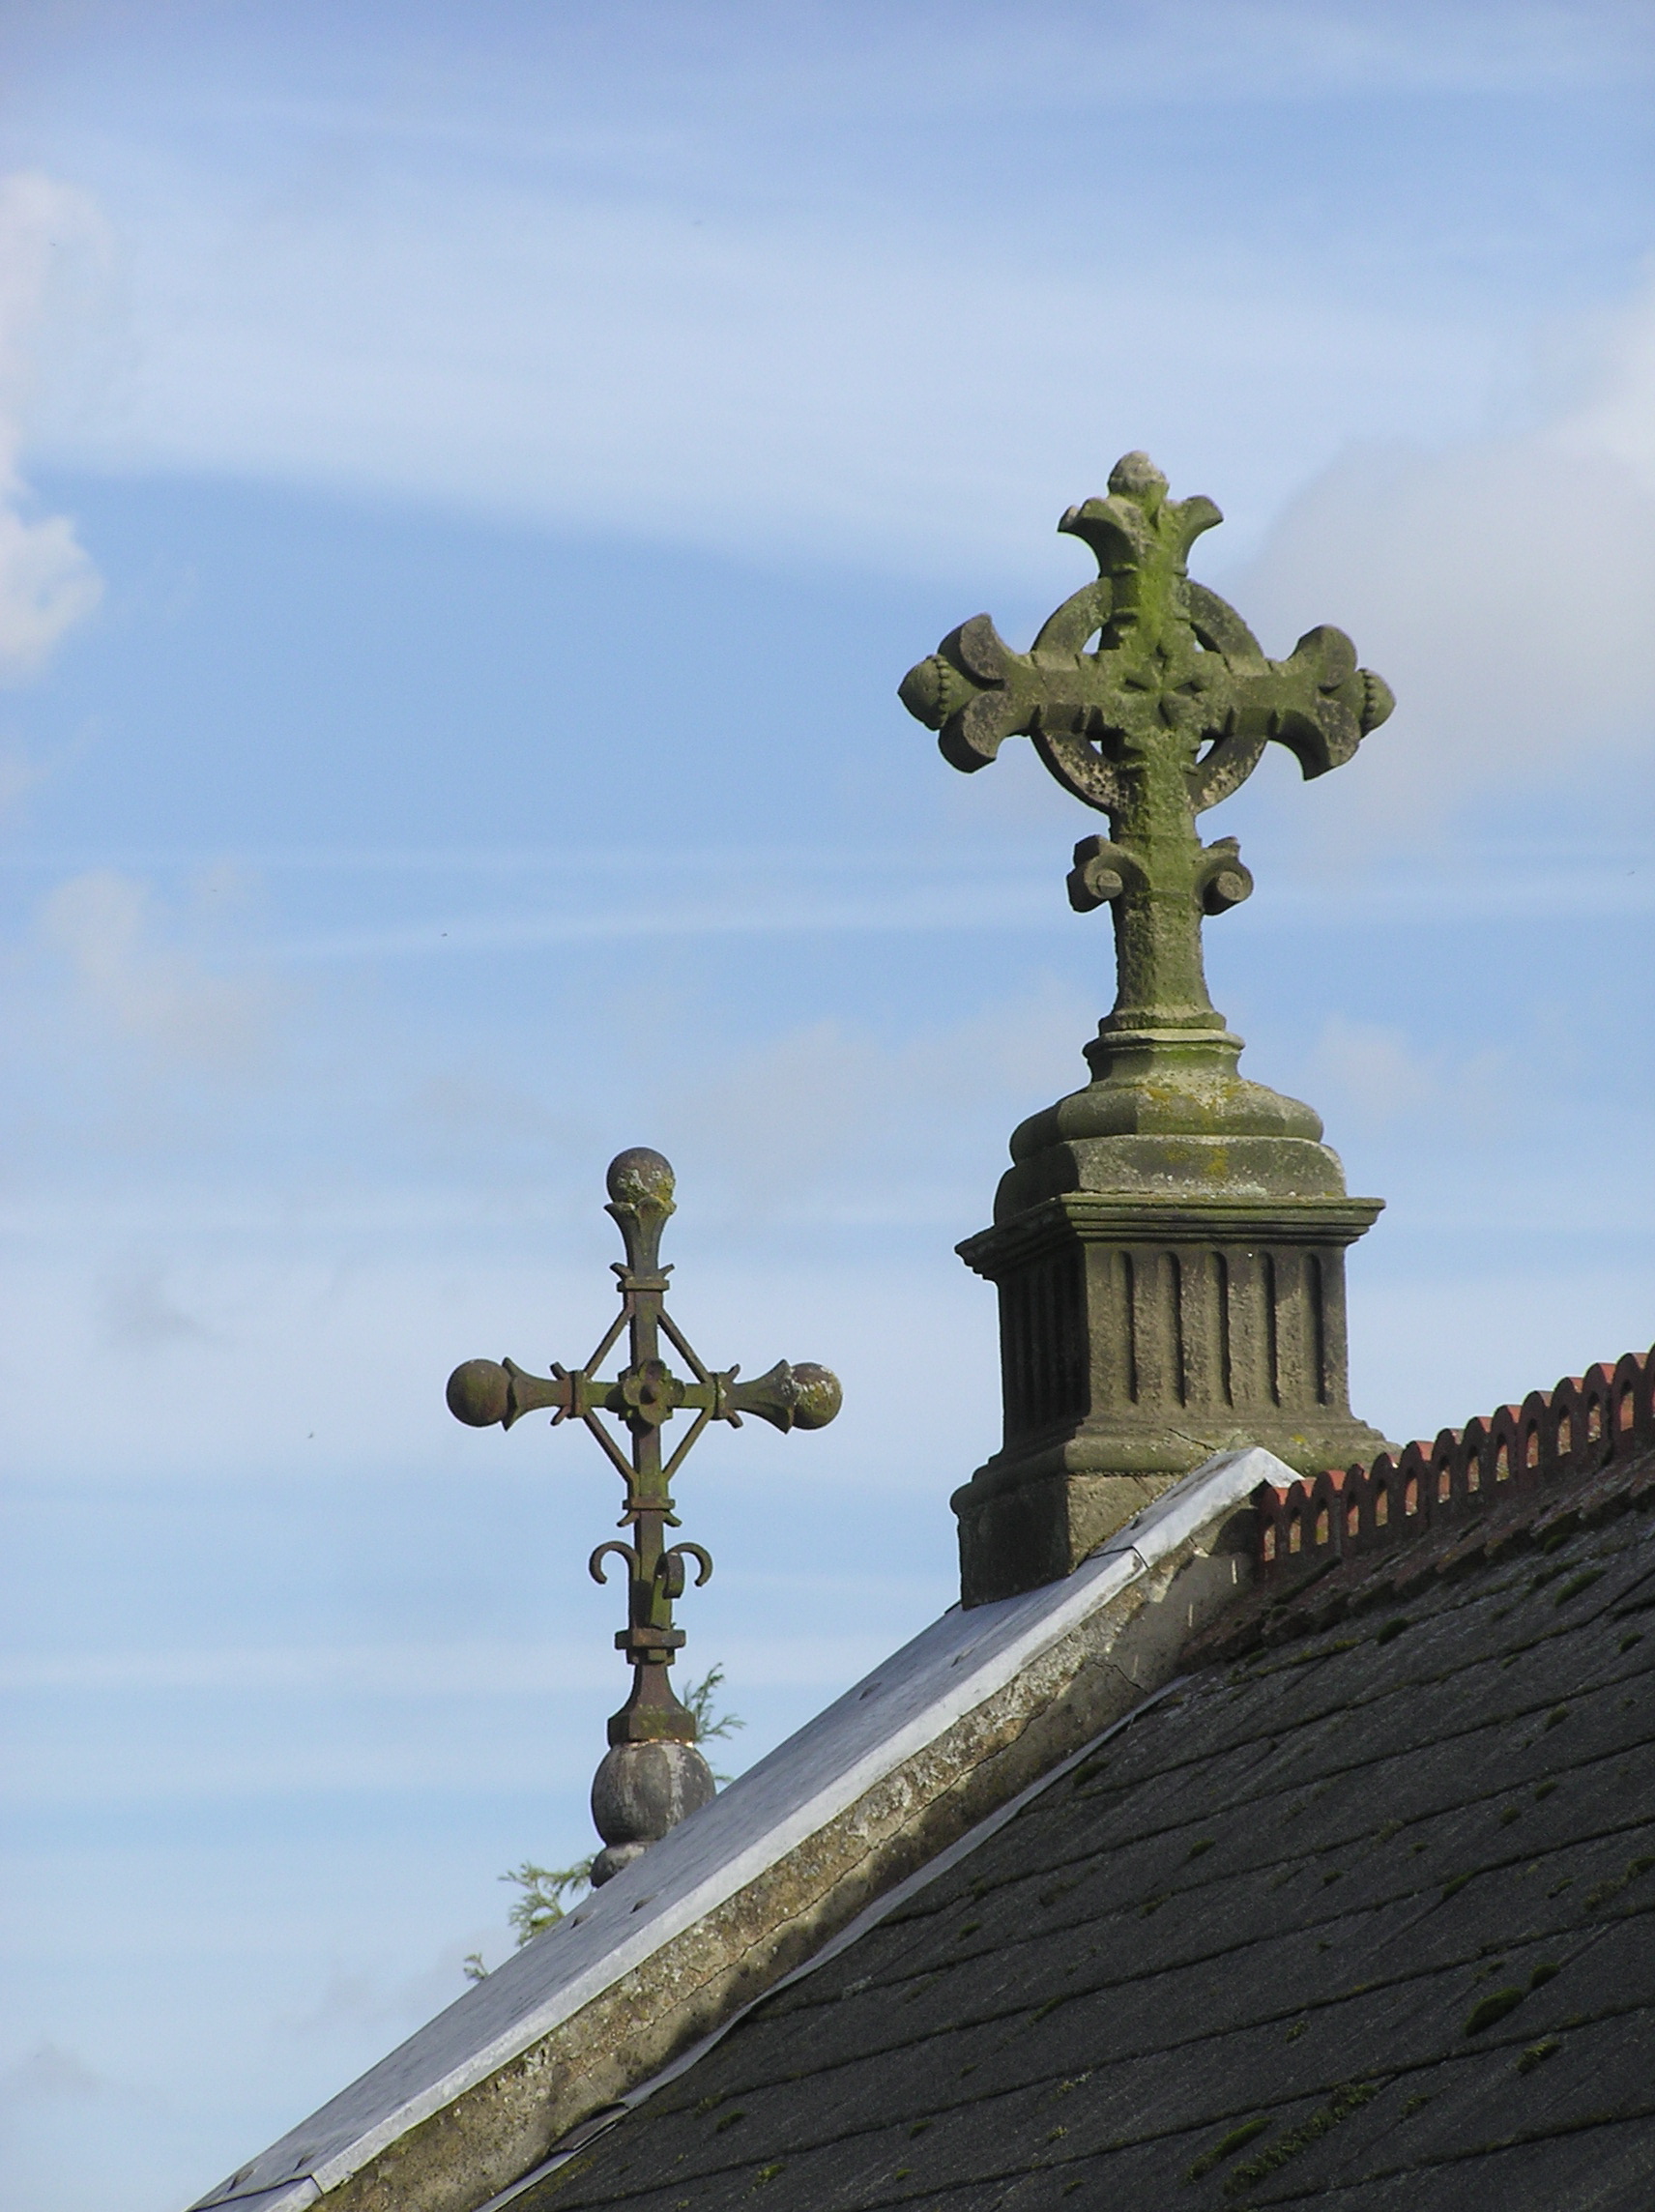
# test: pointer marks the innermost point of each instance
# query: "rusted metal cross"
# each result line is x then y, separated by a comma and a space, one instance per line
1121, 724
643, 1397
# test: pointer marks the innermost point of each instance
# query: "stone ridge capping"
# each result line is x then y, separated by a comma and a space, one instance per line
1554, 1438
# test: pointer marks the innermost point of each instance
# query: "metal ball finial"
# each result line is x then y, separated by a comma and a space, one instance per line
640, 1176
479, 1393
820, 1395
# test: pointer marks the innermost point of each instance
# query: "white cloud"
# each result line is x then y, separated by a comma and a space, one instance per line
140, 1314
1431, 1348
138, 987
1368, 1076
47, 581
20, 773
377, 1998
600, 363
1504, 589
569, 280
1370, 1073
429, 1669
1617, 420
576, 289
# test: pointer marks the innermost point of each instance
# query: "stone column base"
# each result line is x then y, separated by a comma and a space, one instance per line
1138, 1336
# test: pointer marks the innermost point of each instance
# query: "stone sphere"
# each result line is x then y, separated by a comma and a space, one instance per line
614, 1859
640, 1790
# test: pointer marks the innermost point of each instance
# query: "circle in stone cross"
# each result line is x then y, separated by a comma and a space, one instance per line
640, 1177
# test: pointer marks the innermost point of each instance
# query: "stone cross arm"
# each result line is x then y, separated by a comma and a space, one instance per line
1173, 668
1150, 699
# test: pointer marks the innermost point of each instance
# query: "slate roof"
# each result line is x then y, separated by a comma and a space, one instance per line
1361, 1914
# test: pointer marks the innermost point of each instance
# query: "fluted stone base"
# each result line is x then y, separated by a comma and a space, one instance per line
1139, 1334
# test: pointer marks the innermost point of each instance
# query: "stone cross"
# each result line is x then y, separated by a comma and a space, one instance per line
653, 1775
1166, 713
1169, 1242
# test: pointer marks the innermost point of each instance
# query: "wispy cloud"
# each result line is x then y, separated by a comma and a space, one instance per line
735, 894
1372, 1075
139, 1313
47, 581
544, 278
829, 1107
1505, 589
50, 2074
424, 1669
140, 986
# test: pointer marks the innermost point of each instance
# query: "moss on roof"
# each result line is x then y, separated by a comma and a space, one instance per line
1365, 1919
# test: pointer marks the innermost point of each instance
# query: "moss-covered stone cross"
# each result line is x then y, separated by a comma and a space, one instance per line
1166, 713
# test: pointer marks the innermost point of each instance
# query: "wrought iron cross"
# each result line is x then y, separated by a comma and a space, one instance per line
643, 1397
1122, 724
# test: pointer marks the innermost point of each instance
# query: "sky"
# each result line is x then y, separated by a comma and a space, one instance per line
471, 480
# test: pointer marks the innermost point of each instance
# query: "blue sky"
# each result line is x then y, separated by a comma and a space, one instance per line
471, 481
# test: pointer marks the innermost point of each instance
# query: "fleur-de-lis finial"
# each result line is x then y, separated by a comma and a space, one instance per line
653, 1775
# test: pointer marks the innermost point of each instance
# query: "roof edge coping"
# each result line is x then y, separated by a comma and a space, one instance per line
882, 1723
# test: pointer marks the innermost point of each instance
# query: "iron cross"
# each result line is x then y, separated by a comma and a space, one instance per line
643, 1397
1122, 723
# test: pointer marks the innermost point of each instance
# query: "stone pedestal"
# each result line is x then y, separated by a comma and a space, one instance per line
1165, 1293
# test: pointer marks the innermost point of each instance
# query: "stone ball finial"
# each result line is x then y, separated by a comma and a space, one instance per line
640, 1790
641, 1177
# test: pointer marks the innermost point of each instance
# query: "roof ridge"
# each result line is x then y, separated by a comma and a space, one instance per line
1503, 1473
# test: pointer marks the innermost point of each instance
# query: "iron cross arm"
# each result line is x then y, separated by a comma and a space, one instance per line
484, 1392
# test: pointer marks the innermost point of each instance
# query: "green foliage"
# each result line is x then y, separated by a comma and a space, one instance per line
544, 1889
710, 1724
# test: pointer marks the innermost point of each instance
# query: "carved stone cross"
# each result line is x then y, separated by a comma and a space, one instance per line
1169, 1241
653, 1775
1166, 713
